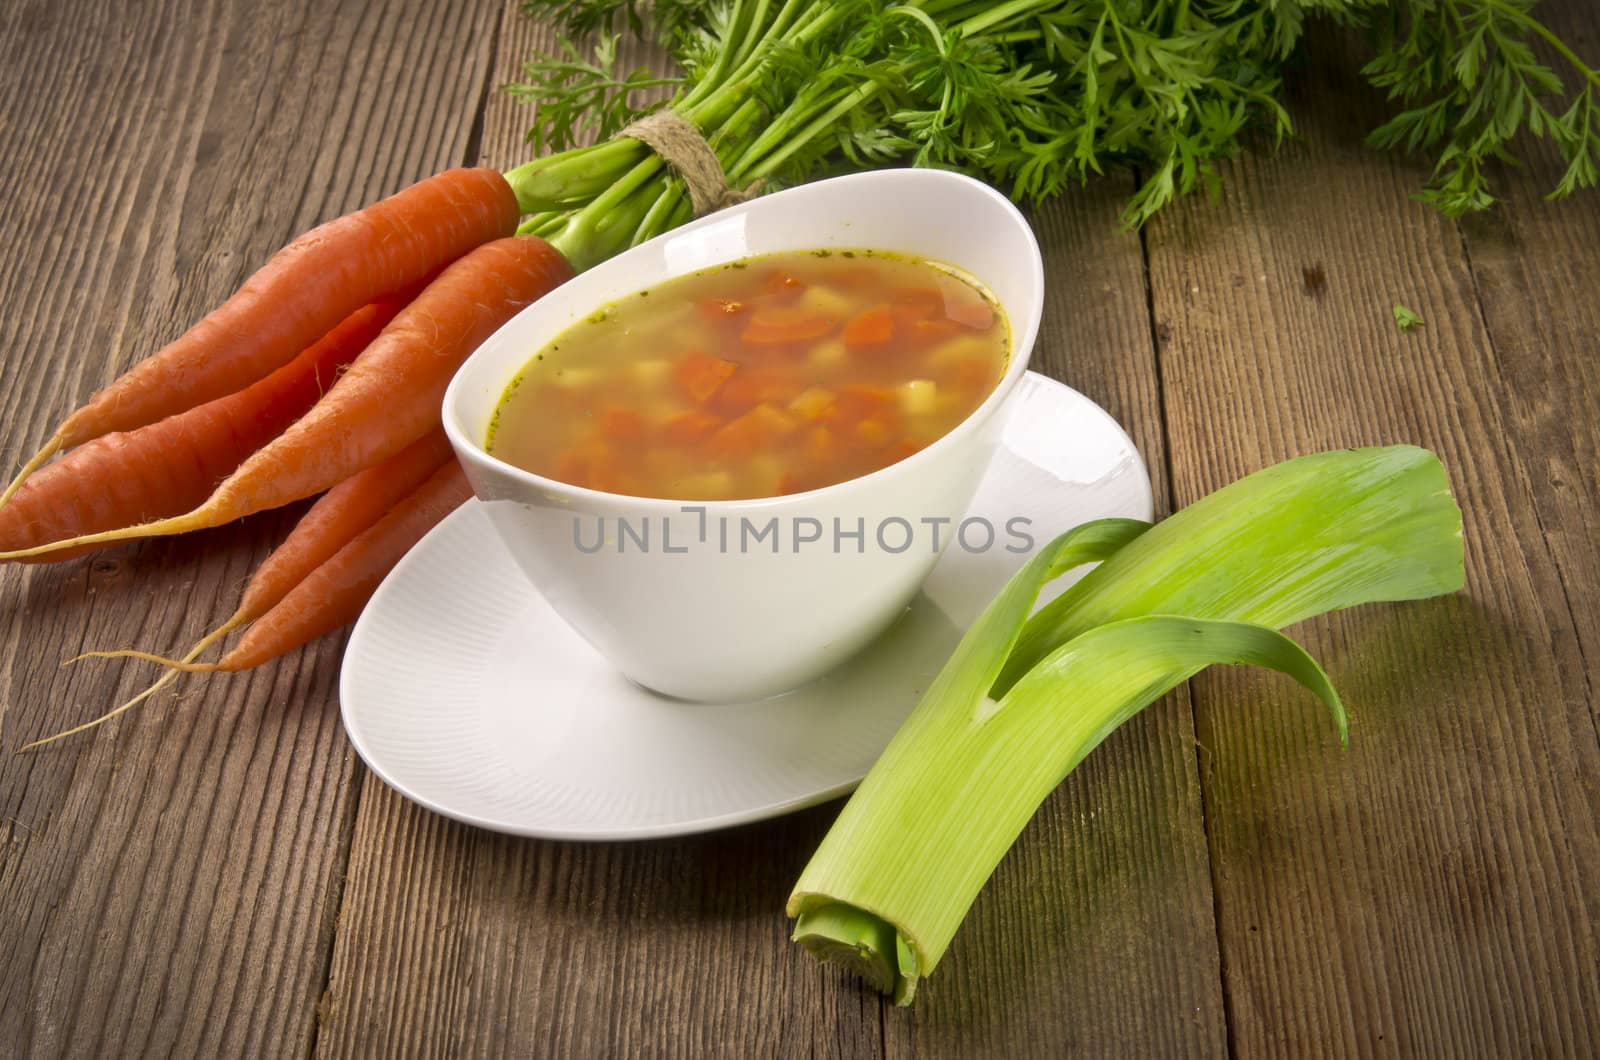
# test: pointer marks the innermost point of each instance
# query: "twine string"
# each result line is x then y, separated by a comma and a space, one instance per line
682, 146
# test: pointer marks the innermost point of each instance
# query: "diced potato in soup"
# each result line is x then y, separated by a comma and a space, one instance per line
772, 375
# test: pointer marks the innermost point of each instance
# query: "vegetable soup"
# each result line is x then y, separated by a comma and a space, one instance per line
767, 376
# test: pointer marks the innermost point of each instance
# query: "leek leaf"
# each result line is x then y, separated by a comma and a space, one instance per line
1023, 700
1310, 535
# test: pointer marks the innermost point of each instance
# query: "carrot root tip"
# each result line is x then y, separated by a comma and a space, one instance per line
34, 463
166, 679
184, 665
180, 524
135, 653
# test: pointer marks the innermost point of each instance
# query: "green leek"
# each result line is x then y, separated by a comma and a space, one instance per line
1023, 700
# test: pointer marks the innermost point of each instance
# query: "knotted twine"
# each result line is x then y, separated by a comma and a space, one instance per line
682, 147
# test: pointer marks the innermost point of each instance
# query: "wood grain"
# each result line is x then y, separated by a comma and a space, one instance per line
1429, 890
1533, 268
216, 875
170, 881
681, 948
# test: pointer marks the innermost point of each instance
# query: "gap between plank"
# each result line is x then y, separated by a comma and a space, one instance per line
336, 900
1527, 484
474, 146
1188, 686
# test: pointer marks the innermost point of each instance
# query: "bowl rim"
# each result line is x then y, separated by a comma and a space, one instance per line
1016, 366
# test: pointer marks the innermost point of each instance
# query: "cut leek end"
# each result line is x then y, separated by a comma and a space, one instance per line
862, 944
856, 940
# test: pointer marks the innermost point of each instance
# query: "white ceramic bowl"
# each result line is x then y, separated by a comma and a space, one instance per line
695, 599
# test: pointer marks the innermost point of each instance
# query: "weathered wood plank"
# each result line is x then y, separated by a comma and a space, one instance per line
170, 881
1428, 890
456, 942
1535, 268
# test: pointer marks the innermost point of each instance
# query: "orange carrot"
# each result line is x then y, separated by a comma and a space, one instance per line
337, 518
389, 397
699, 374
620, 424
822, 446
779, 325
319, 579
689, 427
168, 467
333, 595
874, 433
747, 389
295, 298
870, 327
758, 429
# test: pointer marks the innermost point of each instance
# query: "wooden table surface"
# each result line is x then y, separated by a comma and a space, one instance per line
217, 874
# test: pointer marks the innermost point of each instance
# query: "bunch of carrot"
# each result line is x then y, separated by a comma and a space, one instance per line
324, 372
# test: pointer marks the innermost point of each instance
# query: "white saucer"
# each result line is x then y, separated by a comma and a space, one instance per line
466, 693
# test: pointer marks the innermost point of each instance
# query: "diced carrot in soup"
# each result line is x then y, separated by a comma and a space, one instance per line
778, 375
757, 431
596, 453
859, 401
823, 446
916, 333
689, 427
699, 375
874, 432
871, 328
748, 389
622, 425
783, 324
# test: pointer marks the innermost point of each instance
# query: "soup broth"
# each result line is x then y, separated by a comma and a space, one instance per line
768, 376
